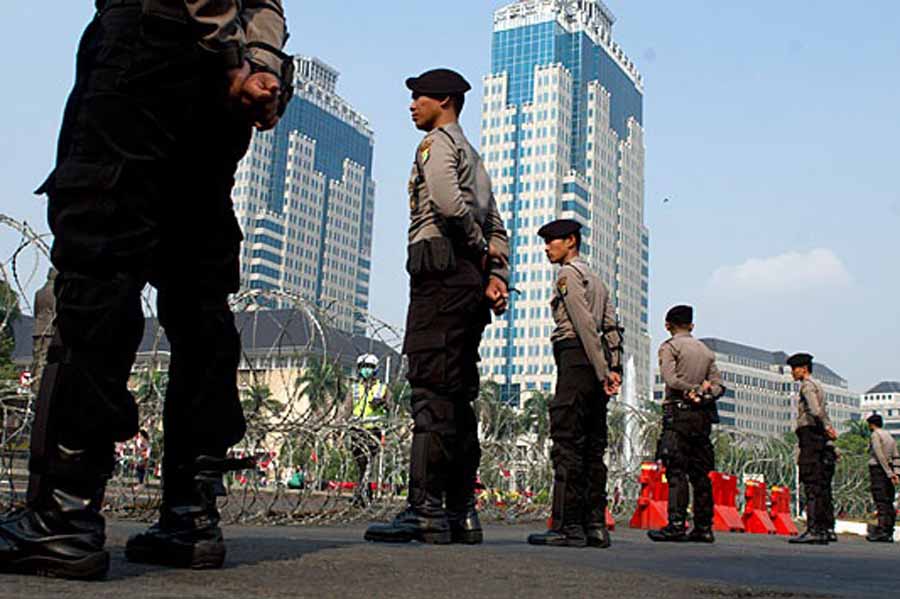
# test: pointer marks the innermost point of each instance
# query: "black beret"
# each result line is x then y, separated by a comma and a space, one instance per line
559, 229
876, 419
801, 359
680, 315
438, 82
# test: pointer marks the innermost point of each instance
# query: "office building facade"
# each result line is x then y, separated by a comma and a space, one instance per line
562, 137
884, 399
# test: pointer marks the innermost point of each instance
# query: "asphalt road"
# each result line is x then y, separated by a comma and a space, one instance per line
336, 562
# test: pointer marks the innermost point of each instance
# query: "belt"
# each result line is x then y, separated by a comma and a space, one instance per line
563, 344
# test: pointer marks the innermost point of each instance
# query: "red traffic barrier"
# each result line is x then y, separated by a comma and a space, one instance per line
725, 513
652, 511
781, 512
610, 522
756, 518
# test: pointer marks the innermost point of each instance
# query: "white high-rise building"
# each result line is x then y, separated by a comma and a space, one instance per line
562, 137
305, 199
884, 399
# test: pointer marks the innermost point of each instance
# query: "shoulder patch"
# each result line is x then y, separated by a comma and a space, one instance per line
561, 285
425, 149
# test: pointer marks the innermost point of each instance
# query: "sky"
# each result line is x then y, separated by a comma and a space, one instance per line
771, 127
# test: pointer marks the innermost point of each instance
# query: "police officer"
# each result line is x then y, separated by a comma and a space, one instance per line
368, 411
693, 384
458, 267
884, 476
587, 347
814, 429
165, 98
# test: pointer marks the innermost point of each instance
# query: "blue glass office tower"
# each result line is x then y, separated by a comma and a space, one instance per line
562, 136
304, 196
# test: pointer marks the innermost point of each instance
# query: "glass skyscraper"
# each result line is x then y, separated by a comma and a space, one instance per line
562, 137
305, 199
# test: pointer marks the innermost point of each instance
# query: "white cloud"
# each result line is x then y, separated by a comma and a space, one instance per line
793, 272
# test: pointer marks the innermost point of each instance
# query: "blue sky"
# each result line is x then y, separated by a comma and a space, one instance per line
771, 126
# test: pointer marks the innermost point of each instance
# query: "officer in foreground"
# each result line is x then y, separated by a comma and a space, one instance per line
165, 98
814, 429
458, 267
587, 347
368, 412
693, 385
884, 476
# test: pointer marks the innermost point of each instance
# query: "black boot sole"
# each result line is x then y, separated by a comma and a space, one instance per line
599, 544
202, 556
655, 539
468, 537
91, 567
428, 538
573, 543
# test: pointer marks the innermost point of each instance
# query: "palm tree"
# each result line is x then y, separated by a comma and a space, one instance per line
323, 385
498, 420
258, 399
536, 417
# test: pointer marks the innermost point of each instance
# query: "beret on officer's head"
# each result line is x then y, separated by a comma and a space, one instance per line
876, 419
438, 82
800, 360
559, 229
680, 315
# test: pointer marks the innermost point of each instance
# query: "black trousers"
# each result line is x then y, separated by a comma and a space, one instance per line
829, 467
814, 477
446, 318
578, 430
366, 445
141, 193
883, 492
687, 453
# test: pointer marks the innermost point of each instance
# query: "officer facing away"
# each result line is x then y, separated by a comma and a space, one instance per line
884, 476
693, 385
814, 429
458, 267
368, 411
587, 346
165, 97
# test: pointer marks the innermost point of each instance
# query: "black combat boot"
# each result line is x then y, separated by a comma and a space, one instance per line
427, 524
565, 536
831, 536
883, 532
597, 535
701, 534
465, 527
674, 532
62, 536
187, 534
812, 536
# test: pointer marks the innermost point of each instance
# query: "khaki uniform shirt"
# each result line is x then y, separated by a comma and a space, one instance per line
227, 26
812, 409
883, 451
583, 310
450, 196
684, 363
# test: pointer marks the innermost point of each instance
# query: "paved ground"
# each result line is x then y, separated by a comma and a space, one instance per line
335, 562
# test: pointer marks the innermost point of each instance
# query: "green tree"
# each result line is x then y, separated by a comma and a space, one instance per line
536, 416
323, 385
258, 401
9, 313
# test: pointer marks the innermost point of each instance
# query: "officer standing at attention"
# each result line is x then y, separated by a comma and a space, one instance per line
814, 429
693, 385
165, 97
587, 347
368, 411
884, 476
458, 267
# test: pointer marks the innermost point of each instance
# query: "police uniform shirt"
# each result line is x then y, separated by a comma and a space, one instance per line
226, 27
583, 310
812, 406
883, 451
450, 196
684, 364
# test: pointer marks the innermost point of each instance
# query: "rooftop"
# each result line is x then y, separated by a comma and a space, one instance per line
885, 387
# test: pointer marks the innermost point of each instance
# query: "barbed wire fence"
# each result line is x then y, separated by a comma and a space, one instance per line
296, 397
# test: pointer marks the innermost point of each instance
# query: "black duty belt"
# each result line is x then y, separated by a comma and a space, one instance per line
563, 344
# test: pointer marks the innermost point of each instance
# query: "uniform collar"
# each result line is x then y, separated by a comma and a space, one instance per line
681, 334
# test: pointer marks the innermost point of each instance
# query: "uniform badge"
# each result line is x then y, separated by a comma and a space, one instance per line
425, 150
561, 286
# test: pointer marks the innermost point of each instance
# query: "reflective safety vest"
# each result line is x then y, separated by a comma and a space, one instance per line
364, 396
